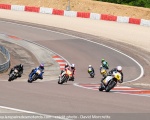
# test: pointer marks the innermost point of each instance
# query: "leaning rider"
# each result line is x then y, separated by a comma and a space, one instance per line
41, 68
73, 71
90, 68
117, 69
19, 68
66, 67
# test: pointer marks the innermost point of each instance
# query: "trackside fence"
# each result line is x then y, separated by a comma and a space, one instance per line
5, 65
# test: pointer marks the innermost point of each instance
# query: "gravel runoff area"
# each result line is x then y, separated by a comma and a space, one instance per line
136, 38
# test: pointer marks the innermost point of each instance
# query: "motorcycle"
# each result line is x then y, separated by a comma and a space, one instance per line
65, 76
103, 72
110, 82
35, 75
91, 72
13, 75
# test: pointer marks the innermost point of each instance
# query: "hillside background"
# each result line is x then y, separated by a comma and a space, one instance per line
140, 3
88, 6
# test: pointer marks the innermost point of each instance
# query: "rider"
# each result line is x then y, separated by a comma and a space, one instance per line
40, 67
73, 71
19, 68
90, 67
117, 69
104, 64
66, 67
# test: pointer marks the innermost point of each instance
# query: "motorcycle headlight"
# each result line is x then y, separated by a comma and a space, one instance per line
16, 70
38, 72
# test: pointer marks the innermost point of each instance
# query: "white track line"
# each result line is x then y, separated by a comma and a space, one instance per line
30, 112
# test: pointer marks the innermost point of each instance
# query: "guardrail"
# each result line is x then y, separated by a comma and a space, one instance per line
5, 65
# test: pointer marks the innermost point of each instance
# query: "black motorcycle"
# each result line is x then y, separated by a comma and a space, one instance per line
13, 75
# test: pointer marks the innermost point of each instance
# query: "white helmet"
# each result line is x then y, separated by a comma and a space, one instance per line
119, 68
90, 65
72, 65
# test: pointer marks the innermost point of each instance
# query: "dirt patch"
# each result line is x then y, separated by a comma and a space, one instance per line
87, 6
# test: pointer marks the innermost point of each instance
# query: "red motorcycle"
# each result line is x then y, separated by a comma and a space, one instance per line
65, 76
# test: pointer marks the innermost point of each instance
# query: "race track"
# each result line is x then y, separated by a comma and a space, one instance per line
49, 97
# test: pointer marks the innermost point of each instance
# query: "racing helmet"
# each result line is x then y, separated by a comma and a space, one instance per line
21, 66
72, 66
102, 60
41, 66
66, 65
119, 68
90, 65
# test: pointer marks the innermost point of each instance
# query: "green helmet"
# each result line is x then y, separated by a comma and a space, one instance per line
103, 60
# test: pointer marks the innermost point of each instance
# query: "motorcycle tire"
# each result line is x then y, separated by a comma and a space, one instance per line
29, 81
62, 81
58, 81
110, 86
101, 88
92, 76
9, 80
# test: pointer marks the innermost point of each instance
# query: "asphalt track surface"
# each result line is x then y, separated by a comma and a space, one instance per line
49, 97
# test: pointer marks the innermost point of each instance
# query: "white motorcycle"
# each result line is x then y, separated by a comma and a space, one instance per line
110, 82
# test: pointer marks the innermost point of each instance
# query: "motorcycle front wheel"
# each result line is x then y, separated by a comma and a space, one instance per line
110, 86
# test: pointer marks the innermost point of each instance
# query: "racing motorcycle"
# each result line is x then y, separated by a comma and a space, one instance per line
110, 82
35, 75
103, 72
13, 75
91, 72
65, 76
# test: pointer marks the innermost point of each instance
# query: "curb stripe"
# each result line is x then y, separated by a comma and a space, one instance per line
87, 15
60, 61
56, 56
117, 89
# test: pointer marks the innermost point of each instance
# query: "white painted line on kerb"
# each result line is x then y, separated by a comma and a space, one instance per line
35, 113
141, 68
